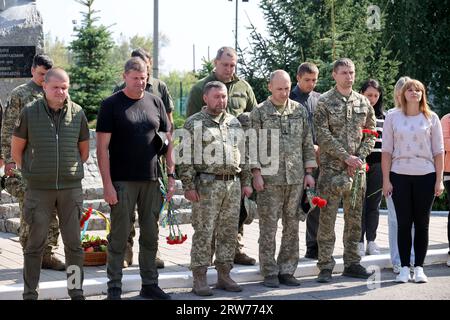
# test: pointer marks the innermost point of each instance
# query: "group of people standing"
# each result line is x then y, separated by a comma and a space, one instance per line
326, 142
321, 143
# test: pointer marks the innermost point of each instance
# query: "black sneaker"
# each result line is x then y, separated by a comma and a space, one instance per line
78, 298
288, 280
357, 271
114, 294
324, 276
152, 291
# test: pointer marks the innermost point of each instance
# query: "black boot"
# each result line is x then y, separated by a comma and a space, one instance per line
152, 291
114, 294
324, 276
357, 271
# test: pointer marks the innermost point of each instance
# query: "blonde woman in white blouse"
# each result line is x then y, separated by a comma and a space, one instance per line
412, 164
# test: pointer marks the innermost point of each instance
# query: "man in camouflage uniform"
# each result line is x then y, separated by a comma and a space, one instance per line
340, 117
2, 157
241, 98
19, 98
159, 89
213, 184
280, 187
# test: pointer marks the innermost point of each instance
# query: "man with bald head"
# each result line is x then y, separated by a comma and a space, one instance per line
17, 100
50, 144
280, 187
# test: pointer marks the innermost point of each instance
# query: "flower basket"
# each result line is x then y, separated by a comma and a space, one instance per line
95, 258
94, 247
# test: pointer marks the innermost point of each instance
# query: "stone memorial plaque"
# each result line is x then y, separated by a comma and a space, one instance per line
16, 61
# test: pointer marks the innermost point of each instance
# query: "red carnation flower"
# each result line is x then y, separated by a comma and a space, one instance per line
85, 217
176, 240
322, 203
315, 201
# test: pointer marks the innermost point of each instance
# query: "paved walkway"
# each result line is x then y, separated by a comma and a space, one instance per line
177, 257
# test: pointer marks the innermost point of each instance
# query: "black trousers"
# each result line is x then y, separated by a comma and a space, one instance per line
312, 227
413, 198
371, 207
447, 188
312, 224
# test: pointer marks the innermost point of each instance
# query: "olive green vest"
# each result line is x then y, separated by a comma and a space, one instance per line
52, 158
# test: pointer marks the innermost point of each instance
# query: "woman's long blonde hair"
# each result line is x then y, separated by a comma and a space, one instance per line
398, 89
423, 105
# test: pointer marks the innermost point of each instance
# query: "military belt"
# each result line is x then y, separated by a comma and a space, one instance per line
222, 177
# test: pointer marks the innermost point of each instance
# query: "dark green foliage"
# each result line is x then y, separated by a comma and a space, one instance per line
319, 32
206, 69
420, 40
91, 73
413, 40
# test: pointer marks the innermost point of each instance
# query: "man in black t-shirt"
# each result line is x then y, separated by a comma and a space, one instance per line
127, 149
159, 89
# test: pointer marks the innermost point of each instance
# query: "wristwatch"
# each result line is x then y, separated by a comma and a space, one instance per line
171, 175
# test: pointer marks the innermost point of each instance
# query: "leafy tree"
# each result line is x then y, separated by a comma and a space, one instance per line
92, 73
418, 32
124, 46
57, 50
179, 84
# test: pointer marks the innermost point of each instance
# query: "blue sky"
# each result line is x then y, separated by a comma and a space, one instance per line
185, 22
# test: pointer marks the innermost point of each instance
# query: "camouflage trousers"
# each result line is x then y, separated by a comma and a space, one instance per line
240, 236
277, 202
218, 209
16, 188
335, 186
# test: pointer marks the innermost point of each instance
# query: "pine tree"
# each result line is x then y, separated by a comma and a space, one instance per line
319, 31
92, 73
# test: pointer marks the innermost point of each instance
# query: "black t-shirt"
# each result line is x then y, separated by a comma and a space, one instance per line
133, 125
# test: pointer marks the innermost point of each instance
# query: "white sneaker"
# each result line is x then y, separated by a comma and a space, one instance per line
396, 268
361, 249
419, 276
372, 248
404, 276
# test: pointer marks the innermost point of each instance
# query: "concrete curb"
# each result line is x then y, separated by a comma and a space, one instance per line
167, 280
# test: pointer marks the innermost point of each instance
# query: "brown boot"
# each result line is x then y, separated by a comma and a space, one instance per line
200, 285
128, 259
224, 281
50, 261
242, 258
